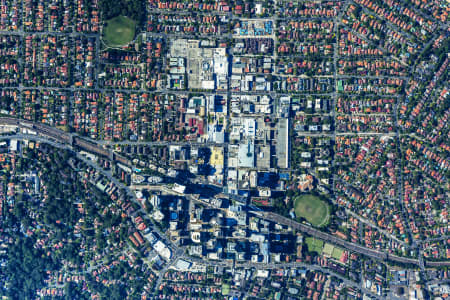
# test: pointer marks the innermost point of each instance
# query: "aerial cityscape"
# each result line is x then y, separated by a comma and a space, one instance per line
224, 149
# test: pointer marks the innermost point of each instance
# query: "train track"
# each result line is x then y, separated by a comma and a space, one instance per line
335, 240
91, 147
66, 138
73, 140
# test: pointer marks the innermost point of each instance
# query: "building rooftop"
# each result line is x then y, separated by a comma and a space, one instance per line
246, 155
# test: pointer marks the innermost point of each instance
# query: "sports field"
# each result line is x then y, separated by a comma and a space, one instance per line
119, 31
314, 245
225, 289
330, 250
337, 253
314, 210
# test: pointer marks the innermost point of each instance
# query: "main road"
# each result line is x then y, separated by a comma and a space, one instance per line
65, 138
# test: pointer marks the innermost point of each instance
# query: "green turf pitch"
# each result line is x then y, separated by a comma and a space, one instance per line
314, 210
119, 31
314, 245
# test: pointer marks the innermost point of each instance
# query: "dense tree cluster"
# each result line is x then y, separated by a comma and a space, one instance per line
27, 267
39, 221
134, 9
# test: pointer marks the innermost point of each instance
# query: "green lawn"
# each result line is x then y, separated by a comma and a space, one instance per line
119, 31
337, 253
225, 289
314, 210
314, 245
328, 249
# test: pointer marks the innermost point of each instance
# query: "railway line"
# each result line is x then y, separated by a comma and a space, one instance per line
335, 240
66, 138
79, 142
76, 141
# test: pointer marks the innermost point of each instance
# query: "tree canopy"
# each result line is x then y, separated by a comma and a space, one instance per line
134, 9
